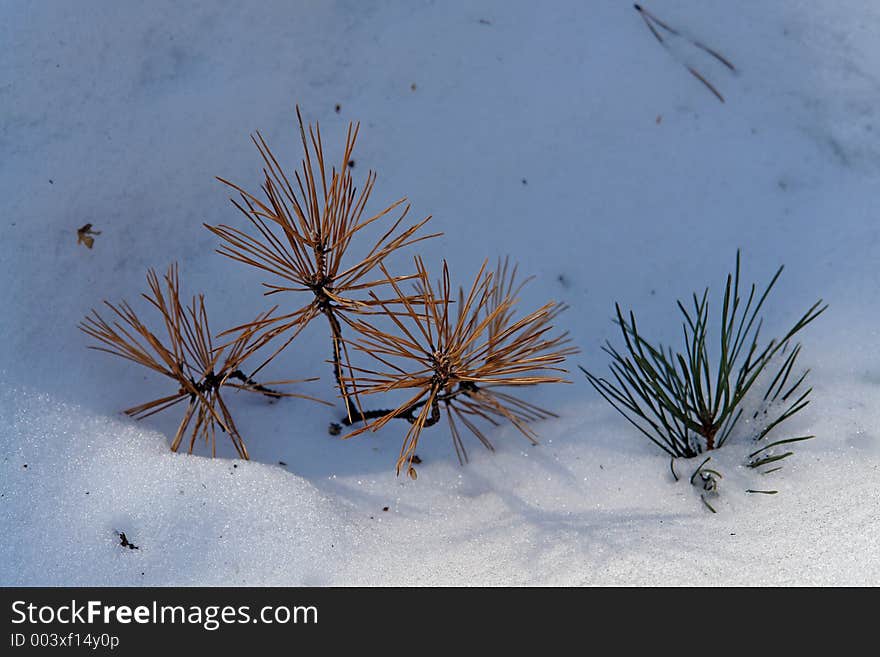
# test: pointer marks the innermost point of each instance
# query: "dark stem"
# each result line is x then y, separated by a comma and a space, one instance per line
351, 407
212, 383
410, 413
325, 305
709, 432
240, 376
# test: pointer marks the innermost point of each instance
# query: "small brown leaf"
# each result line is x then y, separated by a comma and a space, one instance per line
83, 235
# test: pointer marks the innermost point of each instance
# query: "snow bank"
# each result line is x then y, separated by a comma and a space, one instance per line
568, 512
72, 481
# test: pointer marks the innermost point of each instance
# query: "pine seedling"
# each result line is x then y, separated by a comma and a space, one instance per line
459, 352
689, 403
188, 357
304, 231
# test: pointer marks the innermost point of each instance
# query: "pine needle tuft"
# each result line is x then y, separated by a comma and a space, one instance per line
688, 403
187, 356
456, 354
304, 228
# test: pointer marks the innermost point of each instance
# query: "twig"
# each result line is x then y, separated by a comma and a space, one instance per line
651, 20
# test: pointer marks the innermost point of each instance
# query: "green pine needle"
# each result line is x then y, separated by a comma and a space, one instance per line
708, 506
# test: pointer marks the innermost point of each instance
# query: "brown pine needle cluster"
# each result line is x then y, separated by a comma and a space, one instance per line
304, 229
460, 351
188, 357
453, 352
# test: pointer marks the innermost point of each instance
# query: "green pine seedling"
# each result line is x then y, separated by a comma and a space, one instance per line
689, 403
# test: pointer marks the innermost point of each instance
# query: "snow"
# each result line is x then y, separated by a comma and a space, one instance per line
639, 187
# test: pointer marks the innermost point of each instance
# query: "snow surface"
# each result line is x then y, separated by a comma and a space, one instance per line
560, 133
